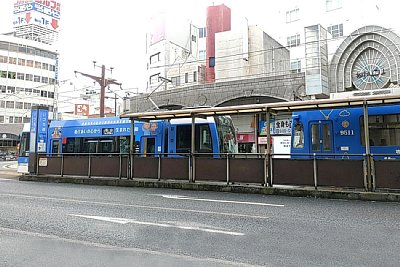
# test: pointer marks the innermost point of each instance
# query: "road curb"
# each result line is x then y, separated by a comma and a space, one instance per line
233, 188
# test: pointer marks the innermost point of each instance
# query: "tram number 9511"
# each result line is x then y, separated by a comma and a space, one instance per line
346, 132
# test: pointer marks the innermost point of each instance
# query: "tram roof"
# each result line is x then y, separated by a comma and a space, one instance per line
258, 108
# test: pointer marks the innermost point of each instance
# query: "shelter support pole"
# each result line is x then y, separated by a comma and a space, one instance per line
192, 169
367, 146
268, 182
131, 149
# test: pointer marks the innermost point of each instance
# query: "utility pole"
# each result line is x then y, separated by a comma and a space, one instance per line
115, 102
103, 82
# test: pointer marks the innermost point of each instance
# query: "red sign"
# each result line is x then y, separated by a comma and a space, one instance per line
245, 137
82, 109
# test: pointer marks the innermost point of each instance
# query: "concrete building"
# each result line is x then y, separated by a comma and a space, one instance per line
182, 52
354, 30
338, 17
247, 53
28, 66
241, 66
27, 77
172, 50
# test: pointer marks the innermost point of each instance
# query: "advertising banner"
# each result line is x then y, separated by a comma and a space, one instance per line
38, 12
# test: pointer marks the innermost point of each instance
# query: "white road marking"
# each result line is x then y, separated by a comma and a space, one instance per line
136, 206
125, 221
221, 201
5, 179
11, 166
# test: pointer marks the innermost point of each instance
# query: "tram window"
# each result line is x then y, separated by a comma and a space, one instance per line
184, 137
106, 146
315, 137
71, 145
124, 144
55, 147
24, 145
326, 137
205, 139
298, 140
89, 145
384, 130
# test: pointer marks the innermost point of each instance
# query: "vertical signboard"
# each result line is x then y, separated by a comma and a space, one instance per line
38, 135
42, 130
39, 123
34, 120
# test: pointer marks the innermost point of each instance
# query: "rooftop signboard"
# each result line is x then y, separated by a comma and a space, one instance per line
43, 13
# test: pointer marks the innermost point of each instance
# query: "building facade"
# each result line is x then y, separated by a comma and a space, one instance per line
337, 48
172, 50
28, 67
218, 20
247, 53
28, 73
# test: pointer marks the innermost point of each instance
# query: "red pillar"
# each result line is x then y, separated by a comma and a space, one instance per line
218, 20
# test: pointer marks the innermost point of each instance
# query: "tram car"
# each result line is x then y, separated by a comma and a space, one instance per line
214, 135
339, 132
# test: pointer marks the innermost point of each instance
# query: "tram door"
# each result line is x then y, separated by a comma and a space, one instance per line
321, 138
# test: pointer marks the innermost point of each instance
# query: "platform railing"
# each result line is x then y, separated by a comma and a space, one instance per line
315, 170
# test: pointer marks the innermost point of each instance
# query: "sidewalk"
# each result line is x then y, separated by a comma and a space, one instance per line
293, 191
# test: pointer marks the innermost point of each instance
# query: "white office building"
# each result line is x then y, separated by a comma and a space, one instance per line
28, 76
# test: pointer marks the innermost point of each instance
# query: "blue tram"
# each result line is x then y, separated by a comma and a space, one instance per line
213, 135
23, 149
339, 132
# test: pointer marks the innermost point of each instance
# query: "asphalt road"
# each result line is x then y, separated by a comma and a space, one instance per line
77, 225
8, 169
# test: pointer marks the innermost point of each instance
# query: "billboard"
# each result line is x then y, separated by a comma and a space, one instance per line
277, 127
43, 13
82, 109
